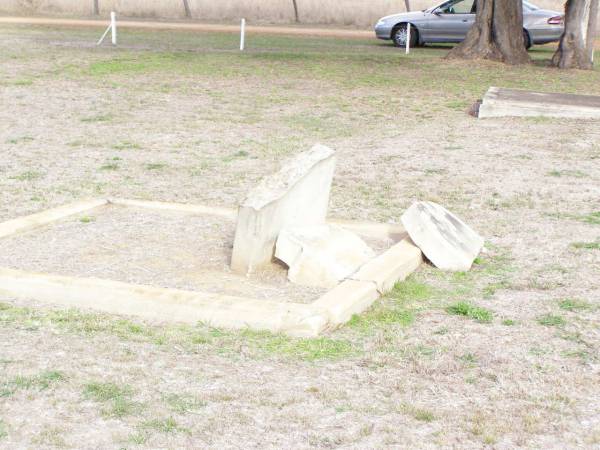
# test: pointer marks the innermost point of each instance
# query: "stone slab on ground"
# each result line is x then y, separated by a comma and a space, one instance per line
321, 255
442, 237
502, 102
297, 195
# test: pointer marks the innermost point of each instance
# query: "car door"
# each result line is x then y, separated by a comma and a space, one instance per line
451, 21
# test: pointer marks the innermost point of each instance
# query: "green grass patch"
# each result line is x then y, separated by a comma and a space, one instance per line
573, 304
184, 403
126, 145
21, 139
471, 311
3, 429
586, 245
29, 175
312, 349
155, 166
41, 382
509, 322
551, 320
257, 344
118, 398
396, 308
97, 118
109, 167
166, 426
420, 414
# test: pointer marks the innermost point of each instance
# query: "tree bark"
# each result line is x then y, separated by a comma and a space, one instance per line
407, 4
96, 8
497, 33
296, 15
576, 47
186, 7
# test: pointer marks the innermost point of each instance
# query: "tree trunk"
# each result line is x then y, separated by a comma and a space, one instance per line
576, 48
497, 33
407, 4
96, 8
186, 7
297, 17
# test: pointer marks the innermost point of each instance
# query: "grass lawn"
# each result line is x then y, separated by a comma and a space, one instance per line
504, 356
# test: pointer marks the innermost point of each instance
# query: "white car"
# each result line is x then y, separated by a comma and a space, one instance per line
451, 20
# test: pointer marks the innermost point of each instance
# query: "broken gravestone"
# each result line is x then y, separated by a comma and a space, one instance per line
322, 255
442, 237
297, 195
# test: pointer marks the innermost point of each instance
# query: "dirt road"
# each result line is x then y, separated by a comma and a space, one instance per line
188, 26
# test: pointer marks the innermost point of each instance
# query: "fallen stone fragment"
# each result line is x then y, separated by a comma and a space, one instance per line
442, 237
296, 195
321, 256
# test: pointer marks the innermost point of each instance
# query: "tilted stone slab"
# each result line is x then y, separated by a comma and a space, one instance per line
297, 195
442, 237
501, 102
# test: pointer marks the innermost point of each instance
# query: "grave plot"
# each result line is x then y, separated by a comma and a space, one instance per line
196, 263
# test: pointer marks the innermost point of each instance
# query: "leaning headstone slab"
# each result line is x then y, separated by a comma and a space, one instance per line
297, 195
442, 237
321, 255
501, 102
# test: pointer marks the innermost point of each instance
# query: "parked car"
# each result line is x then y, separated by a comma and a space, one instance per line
450, 21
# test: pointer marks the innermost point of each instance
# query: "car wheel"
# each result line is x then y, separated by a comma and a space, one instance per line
399, 35
526, 39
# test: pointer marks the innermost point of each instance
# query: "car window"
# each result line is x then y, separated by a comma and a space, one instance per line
457, 7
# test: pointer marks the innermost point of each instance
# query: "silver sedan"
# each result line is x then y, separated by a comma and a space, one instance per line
450, 21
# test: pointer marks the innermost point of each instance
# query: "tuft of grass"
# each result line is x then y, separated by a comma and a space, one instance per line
126, 145
573, 304
509, 322
118, 397
567, 173
3, 429
591, 218
471, 311
109, 166
184, 403
586, 245
166, 426
97, 118
41, 382
411, 289
550, 320
29, 175
155, 166
87, 219
312, 349
20, 139
420, 414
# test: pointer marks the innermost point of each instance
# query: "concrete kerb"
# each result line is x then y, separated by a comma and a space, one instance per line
331, 310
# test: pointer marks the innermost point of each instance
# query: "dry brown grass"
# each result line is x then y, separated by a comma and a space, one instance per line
184, 117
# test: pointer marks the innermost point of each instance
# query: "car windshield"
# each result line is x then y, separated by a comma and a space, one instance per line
529, 6
526, 5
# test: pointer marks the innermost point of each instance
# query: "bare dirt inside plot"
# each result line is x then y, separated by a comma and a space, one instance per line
162, 249
504, 356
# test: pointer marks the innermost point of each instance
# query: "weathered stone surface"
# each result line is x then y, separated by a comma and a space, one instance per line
500, 102
297, 195
322, 255
442, 237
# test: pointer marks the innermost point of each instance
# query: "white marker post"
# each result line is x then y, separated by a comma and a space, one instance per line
112, 27
243, 35
408, 38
